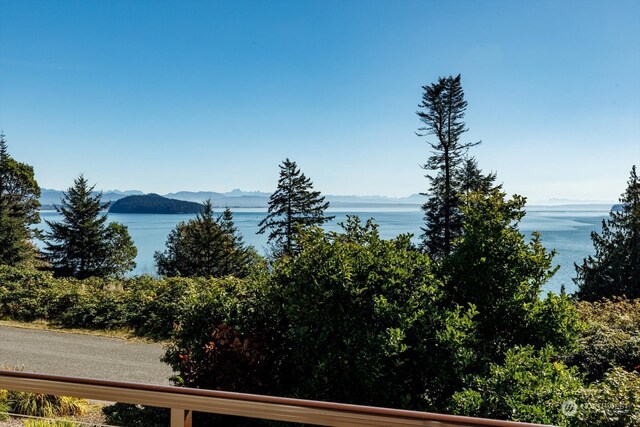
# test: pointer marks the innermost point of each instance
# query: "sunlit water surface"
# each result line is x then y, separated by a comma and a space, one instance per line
566, 231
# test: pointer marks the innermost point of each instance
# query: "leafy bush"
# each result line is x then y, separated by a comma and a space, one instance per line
23, 292
127, 415
530, 386
496, 269
213, 343
155, 305
148, 306
227, 339
348, 318
612, 402
365, 316
611, 339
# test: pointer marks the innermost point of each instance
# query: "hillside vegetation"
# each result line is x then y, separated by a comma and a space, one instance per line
154, 204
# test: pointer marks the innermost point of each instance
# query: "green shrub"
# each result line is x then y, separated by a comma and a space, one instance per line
203, 349
155, 305
612, 402
348, 318
146, 305
530, 386
363, 316
127, 415
501, 272
227, 337
23, 292
611, 339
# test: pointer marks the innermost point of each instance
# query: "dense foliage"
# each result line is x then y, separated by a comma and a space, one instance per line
613, 401
346, 318
292, 207
19, 209
494, 268
144, 305
83, 244
442, 112
610, 339
154, 204
207, 246
530, 386
128, 415
536, 386
615, 267
365, 316
250, 335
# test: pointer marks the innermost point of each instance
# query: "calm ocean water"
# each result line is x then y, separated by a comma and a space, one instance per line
566, 231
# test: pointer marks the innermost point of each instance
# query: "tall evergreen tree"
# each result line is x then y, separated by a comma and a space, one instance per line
292, 207
443, 108
206, 246
19, 209
83, 244
239, 259
472, 179
615, 267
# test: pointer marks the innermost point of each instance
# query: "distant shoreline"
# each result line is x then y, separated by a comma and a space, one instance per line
598, 207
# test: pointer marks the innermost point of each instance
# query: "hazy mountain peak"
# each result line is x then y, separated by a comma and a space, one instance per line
245, 199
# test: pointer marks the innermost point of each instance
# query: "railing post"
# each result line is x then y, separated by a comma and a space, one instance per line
181, 418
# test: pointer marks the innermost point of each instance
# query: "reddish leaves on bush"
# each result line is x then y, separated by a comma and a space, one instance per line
230, 361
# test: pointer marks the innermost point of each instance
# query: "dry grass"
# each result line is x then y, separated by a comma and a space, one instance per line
45, 326
92, 415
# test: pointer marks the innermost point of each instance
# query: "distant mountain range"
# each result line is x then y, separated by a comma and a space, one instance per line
568, 202
242, 199
259, 199
50, 197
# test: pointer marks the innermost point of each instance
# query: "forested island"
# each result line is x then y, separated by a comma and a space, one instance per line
154, 204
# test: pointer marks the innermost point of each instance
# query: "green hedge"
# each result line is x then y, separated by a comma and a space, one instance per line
145, 305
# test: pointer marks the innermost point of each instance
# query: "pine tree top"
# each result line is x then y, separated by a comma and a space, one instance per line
614, 269
293, 206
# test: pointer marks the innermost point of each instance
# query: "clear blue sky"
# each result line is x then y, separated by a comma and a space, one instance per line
165, 96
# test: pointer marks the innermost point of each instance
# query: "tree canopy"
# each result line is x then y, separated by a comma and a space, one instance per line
206, 246
155, 204
614, 270
366, 316
83, 244
442, 111
19, 209
494, 268
292, 207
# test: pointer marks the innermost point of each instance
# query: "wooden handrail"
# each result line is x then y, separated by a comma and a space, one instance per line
182, 401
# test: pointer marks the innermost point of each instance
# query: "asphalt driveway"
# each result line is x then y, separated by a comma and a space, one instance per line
80, 355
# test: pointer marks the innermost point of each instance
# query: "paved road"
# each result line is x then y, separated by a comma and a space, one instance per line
80, 355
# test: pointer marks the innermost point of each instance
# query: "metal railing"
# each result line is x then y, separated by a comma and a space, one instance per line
183, 401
